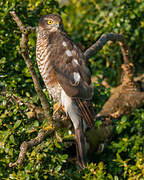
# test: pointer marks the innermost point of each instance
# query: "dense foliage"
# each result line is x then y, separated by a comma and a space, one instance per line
85, 21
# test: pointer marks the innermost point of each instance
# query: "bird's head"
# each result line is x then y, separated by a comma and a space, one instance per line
50, 22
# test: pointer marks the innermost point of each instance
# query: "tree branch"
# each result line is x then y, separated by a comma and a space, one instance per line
45, 132
27, 145
125, 98
139, 78
103, 40
25, 55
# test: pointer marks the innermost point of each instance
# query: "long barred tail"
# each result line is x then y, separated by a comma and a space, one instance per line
86, 110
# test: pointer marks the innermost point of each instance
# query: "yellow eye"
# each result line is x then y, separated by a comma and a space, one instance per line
50, 22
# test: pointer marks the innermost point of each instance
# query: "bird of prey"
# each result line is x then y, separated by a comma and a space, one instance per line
63, 68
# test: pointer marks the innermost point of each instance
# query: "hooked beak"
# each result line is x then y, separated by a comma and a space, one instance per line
57, 24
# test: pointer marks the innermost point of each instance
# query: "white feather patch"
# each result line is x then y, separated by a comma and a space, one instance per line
75, 61
64, 43
71, 109
68, 53
77, 77
65, 100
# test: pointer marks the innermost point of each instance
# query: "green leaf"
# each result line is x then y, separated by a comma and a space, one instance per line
27, 94
12, 139
65, 156
116, 178
17, 124
58, 168
57, 144
36, 123
124, 118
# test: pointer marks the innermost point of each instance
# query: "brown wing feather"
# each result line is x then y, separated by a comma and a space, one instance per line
86, 110
64, 67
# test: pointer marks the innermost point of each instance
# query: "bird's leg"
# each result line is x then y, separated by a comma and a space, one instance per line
57, 106
80, 147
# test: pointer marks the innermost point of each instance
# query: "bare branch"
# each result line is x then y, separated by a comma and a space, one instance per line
125, 97
45, 132
139, 78
125, 51
103, 40
27, 145
17, 20
25, 55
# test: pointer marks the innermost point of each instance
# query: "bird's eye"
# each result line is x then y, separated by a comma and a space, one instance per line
50, 22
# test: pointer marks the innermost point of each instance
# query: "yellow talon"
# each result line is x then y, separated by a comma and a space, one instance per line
57, 107
48, 127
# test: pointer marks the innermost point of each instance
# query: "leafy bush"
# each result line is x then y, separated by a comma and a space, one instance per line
85, 21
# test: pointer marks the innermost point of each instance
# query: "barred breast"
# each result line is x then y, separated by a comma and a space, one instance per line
43, 50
